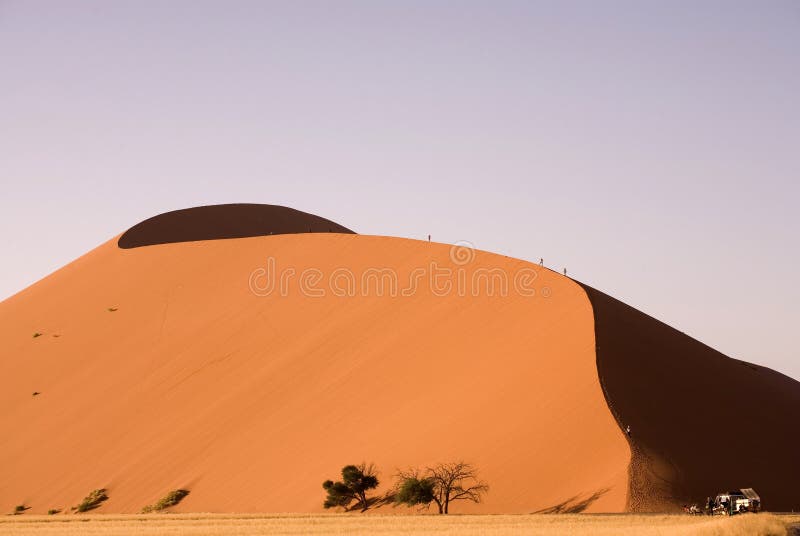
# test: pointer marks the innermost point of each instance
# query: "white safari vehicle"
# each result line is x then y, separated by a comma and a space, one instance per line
737, 501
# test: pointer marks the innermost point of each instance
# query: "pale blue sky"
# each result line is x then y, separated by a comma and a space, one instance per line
653, 148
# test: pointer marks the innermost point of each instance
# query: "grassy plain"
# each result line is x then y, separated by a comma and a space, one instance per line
391, 525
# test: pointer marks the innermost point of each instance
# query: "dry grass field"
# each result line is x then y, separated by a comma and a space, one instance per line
498, 525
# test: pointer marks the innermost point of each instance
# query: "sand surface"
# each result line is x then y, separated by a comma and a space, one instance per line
250, 402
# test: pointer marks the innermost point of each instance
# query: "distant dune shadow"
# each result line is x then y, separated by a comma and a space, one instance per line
216, 222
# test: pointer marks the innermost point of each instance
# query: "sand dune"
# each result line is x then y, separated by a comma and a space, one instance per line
166, 366
251, 402
701, 422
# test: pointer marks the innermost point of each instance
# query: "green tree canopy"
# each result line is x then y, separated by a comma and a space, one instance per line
356, 481
413, 491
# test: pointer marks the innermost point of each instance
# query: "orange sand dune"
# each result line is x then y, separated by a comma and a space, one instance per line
248, 369
252, 401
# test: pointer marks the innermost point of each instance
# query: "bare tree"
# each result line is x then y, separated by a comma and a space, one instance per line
442, 484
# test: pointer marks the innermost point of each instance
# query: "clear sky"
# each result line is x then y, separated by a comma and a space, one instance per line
652, 148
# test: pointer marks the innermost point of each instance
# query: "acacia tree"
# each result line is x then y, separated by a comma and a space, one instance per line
441, 484
356, 481
413, 489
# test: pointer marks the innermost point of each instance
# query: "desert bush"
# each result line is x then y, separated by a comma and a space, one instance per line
356, 481
92, 501
19, 509
171, 499
53, 511
37, 334
413, 489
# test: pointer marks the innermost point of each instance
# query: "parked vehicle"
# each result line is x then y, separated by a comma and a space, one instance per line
736, 501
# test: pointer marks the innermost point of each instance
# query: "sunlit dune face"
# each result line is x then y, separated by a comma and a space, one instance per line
200, 379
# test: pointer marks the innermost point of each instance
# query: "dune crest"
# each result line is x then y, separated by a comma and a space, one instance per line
216, 222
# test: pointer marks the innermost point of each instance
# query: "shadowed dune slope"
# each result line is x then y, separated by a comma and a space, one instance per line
701, 422
158, 368
224, 221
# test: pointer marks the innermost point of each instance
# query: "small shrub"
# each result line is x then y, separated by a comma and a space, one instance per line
92, 501
37, 334
171, 499
19, 509
112, 309
53, 511
413, 490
